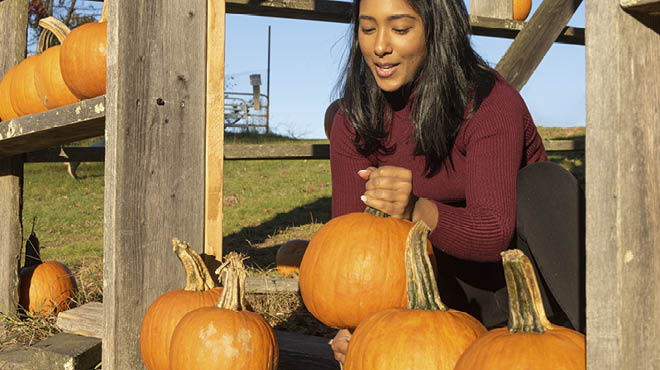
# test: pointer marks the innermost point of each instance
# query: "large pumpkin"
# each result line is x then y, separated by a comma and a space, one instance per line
48, 79
165, 312
7, 112
426, 335
44, 287
23, 91
225, 337
521, 9
289, 255
354, 266
529, 341
83, 59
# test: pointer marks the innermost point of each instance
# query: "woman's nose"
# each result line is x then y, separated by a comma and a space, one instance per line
382, 45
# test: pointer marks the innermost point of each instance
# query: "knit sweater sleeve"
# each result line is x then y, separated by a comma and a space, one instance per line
493, 140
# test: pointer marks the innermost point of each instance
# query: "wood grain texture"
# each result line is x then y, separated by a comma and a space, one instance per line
13, 26
533, 42
154, 164
502, 9
650, 7
622, 188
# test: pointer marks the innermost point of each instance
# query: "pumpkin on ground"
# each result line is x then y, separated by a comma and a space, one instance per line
165, 312
426, 335
225, 337
529, 341
83, 58
357, 259
23, 91
48, 79
521, 9
289, 255
44, 287
6, 110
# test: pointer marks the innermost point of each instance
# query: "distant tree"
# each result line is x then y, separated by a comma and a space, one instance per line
73, 13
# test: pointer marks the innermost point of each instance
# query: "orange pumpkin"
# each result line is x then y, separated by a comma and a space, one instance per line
426, 335
356, 259
225, 336
521, 9
23, 91
289, 256
6, 110
48, 79
529, 341
83, 59
44, 287
165, 312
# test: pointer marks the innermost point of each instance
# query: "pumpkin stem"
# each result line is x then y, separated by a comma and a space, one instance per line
198, 278
375, 212
32, 248
526, 312
52, 28
423, 293
232, 275
103, 15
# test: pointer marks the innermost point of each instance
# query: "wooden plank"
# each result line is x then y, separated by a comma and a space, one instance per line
85, 320
154, 167
54, 127
277, 151
650, 7
13, 29
271, 285
622, 188
215, 77
507, 28
533, 42
502, 9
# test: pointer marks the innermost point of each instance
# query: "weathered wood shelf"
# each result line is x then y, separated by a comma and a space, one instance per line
54, 127
339, 11
651, 7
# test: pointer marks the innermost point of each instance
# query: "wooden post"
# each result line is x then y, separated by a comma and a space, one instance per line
502, 9
622, 187
13, 29
255, 81
154, 160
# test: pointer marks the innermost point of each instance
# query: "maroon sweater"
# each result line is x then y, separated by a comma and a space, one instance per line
476, 198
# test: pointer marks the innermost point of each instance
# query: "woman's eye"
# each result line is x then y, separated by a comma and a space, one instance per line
401, 31
366, 30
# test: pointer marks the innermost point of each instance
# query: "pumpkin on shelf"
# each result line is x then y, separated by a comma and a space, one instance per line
521, 9
44, 287
52, 90
165, 312
425, 335
23, 91
357, 259
7, 112
83, 58
289, 255
225, 336
529, 341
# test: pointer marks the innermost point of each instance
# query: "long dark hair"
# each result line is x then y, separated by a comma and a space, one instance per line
452, 78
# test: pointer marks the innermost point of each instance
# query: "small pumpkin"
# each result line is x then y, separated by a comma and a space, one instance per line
165, 312
289, 255
44, 287
23, 91
425, 335
83, 58
357, 259
48, 79
529, 341
521, 9
225, 336
7, 112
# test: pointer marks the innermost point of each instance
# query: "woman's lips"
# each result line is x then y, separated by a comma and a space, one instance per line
385, 70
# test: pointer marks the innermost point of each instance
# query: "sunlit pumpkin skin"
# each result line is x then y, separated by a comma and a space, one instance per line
23, 91
225, 336
426, 335
529, 341
51, 88
83, 60
358, 260
167, 310
289, 255
6, 110
521, 9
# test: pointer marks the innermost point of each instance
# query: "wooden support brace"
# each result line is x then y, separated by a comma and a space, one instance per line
650, 7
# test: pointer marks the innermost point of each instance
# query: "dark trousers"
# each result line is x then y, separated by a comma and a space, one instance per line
550, 231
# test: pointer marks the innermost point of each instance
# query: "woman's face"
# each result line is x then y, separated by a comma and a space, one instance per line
391, 38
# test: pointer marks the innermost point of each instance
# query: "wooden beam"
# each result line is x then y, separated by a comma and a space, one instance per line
533, 42
502, 9
13, 29
650, 7
622, 188
507, 28
58, 126
67, 154
154, 167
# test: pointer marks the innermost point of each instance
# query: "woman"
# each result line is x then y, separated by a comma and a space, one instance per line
426, 130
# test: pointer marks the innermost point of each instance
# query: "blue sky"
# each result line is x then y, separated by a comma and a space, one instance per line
306, 57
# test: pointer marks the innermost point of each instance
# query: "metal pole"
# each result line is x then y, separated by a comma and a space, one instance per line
268, 87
